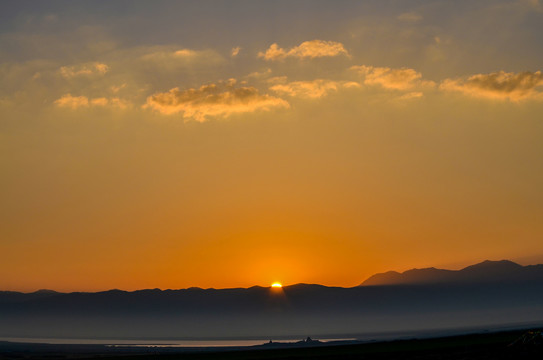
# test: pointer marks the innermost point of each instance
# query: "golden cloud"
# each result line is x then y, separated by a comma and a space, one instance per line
213, 100
311, 89
115, 89
393, 79
235, 51
119, 103
499, 85
102, 101
411, 96
307, 49
75, 102
277, 80
91, 69
175, 54
259, 74
169, 58
72, 102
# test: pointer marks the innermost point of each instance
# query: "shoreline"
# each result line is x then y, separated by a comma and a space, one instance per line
259, 340
472, 345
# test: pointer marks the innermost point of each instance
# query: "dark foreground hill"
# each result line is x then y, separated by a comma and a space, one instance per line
259, 312
495, 346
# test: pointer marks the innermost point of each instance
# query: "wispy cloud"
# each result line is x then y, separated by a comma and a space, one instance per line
235, 51
390, 78
89, 69
411, 96
176, 54
76, 102
307, 49
259, 74
499, 85
73, 102
213, 100
171, 58
410, 17
311, 89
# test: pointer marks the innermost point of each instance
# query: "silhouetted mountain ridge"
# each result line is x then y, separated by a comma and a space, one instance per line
485, 293
485, 272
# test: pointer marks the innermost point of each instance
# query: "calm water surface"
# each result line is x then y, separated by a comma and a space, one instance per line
155, 343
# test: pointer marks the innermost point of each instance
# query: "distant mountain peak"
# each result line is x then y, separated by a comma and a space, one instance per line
486, 271
45, 291
495, 264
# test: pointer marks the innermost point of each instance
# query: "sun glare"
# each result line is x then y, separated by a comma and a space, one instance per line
277, 285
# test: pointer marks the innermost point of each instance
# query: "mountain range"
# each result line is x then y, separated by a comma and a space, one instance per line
484, 272
486, 294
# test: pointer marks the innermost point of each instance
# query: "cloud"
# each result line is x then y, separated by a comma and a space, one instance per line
182, 54
116, 88
277, 80
307, 49
411, 95
91, 69
311, 89
102, 101
392, 79
213, 100
170, 58
259, 74
72, 102
76, 102
235, 51
499, 85
119, 103
410, 17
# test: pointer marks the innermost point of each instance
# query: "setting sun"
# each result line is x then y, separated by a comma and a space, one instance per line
139, 157
382, 158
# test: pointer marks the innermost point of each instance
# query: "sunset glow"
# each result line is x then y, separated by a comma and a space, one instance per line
181, 144
277, 285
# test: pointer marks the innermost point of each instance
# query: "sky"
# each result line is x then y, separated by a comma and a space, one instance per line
172, 144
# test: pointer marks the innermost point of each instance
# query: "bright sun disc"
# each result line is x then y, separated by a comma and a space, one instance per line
277, 285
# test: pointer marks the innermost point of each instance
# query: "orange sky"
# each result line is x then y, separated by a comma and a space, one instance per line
209, 146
